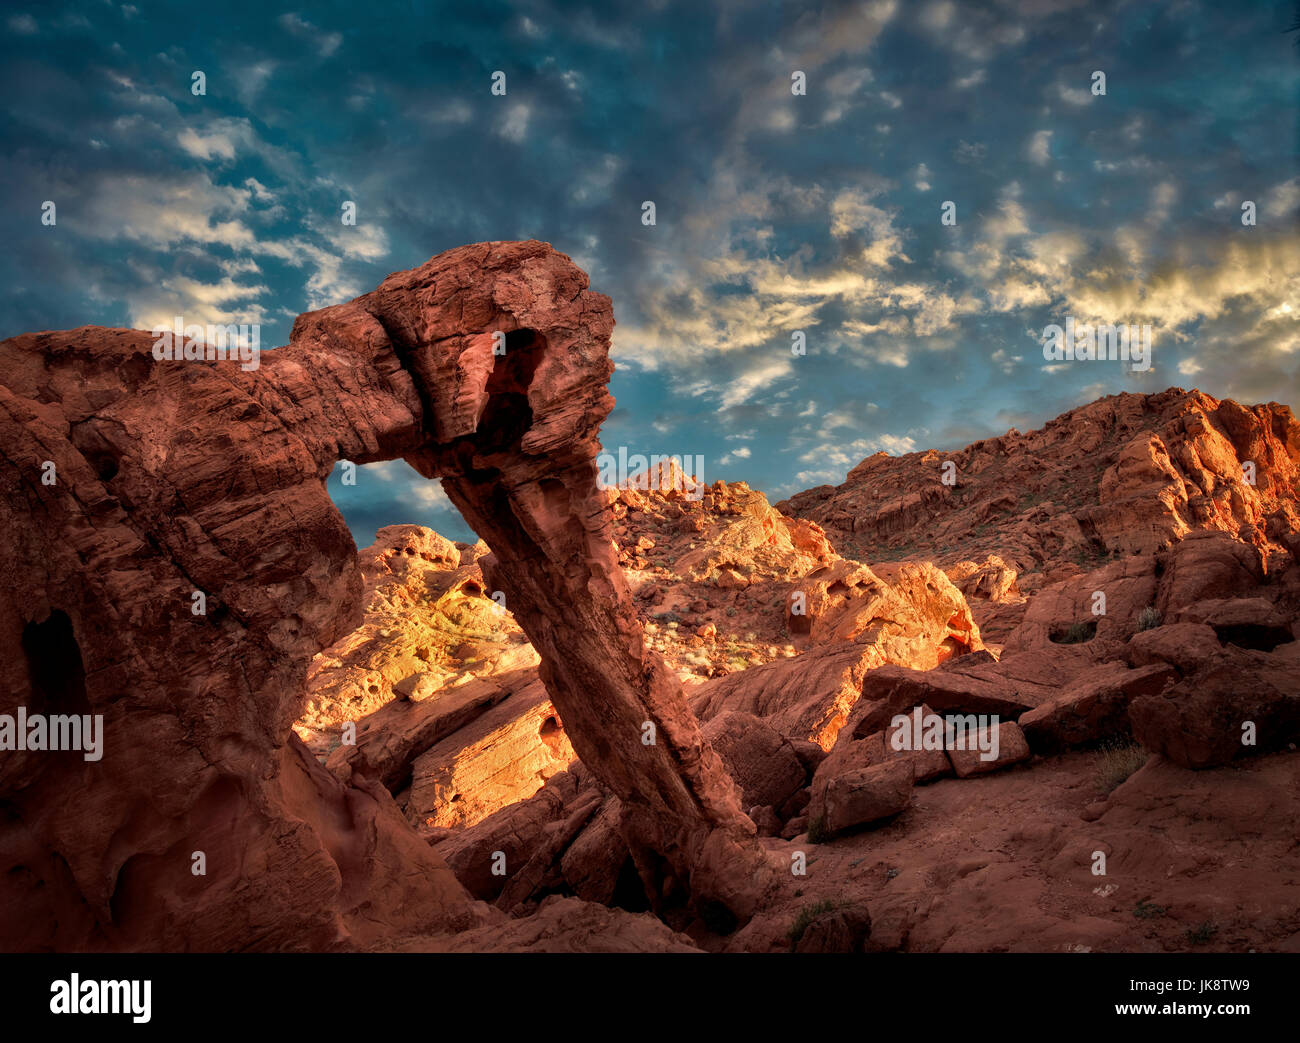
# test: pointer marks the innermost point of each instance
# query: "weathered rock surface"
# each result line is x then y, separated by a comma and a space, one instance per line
728, 583
1127, 474
1237, 703
565, 925
1003, 862
503, 756
176, 477
428, 624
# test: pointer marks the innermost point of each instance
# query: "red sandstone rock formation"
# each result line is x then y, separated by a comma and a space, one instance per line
181, 477
1127, 474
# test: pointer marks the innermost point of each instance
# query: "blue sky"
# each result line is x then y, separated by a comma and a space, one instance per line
774, 212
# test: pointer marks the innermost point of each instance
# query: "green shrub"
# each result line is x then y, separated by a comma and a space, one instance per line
806, 916
1145, 910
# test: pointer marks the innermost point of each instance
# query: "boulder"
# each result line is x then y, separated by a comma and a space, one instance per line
859, 796
1239, 703
1185, 646
843, 929
1094, 707
762, 762
806, 697
501, 757
1009, 748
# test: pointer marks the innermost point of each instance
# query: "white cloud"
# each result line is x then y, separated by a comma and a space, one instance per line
514, 126
742, 386
1282, 199
839, 458
1073, 95
1040, 147
325, 43
206, 146
1163, 197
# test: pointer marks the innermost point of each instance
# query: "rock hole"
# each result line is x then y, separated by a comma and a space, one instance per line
552, 734
507, 415
55, 669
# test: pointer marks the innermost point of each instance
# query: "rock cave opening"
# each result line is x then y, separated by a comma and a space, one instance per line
54, 666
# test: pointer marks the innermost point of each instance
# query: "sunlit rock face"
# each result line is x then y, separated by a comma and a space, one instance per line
171, 479
1126, 475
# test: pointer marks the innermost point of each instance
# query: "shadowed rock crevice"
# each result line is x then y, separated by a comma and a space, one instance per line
54, 667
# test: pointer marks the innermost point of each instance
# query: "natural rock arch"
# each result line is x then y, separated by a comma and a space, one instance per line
181, 476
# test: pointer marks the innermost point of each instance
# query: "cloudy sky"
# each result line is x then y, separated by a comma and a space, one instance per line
775, 212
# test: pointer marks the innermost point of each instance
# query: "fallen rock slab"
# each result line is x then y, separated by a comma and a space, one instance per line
503, 756
391, 738
894, 690
859, 797
1009, 748
1245, 622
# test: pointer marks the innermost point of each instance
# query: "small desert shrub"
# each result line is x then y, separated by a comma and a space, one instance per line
1145, 910
817, 832
1117, 759
806, 916
1078, 634
1202, 932
1149, 619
